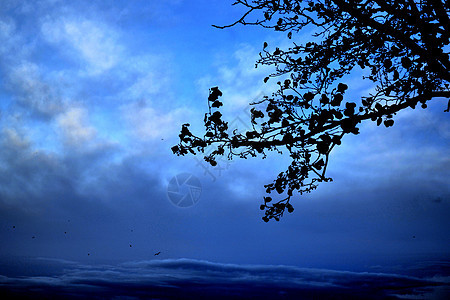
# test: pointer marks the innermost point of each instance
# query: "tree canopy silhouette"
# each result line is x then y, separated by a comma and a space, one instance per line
402, 45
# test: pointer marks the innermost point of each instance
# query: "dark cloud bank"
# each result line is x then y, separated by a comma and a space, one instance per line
196, 279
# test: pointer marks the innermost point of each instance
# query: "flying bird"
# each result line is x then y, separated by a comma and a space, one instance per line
158, 253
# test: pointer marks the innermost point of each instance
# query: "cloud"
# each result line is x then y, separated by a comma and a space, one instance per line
15, 140
32, 91
7, 29
413, 148
27, 173
60, 133
191, 279
93, 41
148, 84
76, 131
238, 79
149, 123
49, 90
146, 77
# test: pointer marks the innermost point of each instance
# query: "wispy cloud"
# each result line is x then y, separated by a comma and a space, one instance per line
75, 128
92, 41
33, 91
149, 123
238, 79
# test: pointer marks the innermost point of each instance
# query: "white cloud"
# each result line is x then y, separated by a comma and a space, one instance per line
239, 80
75, 128
146, 85
13, 138
7, 27
144, 77
150, 76
34, 92
52, 90
149, 123
95, 42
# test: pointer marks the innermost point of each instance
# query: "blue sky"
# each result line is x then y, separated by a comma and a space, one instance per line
92, 97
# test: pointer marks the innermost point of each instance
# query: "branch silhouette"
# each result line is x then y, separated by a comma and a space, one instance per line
404, 46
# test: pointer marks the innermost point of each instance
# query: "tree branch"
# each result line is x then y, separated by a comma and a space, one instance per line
333, 124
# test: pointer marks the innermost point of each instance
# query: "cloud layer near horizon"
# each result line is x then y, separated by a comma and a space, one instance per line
196, 279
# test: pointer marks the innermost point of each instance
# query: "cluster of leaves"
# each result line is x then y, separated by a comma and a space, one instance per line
403, 45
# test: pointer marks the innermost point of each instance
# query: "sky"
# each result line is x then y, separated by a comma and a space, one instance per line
92, 97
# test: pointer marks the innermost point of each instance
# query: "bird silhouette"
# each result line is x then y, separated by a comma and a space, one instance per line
158, 253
